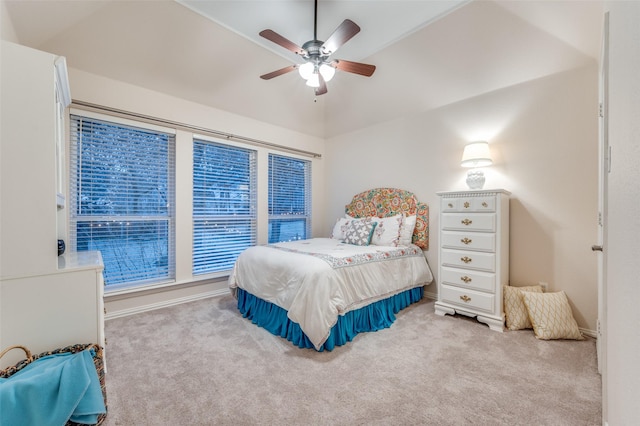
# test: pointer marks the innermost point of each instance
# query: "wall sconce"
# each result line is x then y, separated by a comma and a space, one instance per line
475, 155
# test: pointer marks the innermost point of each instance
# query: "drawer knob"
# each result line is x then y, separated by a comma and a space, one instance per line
484, 204
466, 240
466, 279
466, 222
466, 259
450, 205
466, 204
465, 298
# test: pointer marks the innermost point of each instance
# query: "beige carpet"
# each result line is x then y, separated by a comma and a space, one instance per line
201, 363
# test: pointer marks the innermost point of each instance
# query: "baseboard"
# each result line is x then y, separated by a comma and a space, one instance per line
431, 295
165, 303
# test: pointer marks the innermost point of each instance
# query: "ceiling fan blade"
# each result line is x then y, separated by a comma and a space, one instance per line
322, 88
279, 72
340, 36
354, 67
279, 40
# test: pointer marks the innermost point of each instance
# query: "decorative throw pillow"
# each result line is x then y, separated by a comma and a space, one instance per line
387, 231
406, 231
359, 232
340, 228
514, 309
551, 316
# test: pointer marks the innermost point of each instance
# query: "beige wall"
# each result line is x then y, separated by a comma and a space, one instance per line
7, 32
543, 137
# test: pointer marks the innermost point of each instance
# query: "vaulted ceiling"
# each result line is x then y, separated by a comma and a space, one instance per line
428, 53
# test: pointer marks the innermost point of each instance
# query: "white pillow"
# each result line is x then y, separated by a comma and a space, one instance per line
340, 229
387, 231
406, 230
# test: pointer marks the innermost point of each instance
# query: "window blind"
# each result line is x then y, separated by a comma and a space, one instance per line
224, 205
289, 198
122, 199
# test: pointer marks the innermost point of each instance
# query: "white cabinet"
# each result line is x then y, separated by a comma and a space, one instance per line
28, 165
473, 262
46, 301
55, 310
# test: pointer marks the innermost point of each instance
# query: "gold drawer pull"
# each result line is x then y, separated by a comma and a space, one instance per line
450, 205
466, 259
466, 204
466, 279
466, 240
484, 204
465, 298
466, 222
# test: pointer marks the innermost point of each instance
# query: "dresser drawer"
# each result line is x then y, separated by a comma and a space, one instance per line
468, 259
469, 222
476, 280
469, 204
467, 298
469, 241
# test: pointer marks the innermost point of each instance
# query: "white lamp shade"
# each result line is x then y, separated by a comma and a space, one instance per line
476, 154
313, 80
327, 72
306, 70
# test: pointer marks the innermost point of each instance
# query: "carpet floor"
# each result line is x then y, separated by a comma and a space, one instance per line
201, 363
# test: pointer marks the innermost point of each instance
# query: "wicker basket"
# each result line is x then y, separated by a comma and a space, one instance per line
97, 361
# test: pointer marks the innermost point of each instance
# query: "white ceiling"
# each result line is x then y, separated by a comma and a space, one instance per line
425, 57
382, 22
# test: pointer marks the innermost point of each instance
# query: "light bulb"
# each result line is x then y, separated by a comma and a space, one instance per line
313, 80
306, 70
327, 72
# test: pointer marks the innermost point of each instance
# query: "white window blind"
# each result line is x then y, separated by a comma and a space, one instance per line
224, 205
122, 199
289, 198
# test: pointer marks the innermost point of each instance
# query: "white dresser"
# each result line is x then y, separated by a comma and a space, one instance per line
473, 262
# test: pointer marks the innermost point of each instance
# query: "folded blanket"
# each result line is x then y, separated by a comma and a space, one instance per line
52, 390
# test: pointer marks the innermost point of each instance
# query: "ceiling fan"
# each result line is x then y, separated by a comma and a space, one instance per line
318, 68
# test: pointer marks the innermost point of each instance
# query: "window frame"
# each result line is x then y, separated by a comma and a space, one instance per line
251, 216
307, 203
75, 217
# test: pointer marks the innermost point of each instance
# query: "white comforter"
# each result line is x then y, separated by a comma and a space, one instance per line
316, 280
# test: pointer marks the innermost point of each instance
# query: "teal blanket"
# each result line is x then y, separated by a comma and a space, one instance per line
52, 390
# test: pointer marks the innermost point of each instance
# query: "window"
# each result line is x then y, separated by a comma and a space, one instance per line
289, 199
122, 198
224, 205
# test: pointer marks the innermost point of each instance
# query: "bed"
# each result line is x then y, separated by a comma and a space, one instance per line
321, 292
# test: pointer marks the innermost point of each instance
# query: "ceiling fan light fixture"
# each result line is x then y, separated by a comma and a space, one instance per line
313, 80
306, 70
327, 72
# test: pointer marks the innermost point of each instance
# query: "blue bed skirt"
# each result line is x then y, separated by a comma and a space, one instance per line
373, 317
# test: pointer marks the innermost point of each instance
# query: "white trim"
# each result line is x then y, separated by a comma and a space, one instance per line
60, 65
166, 303
431, 295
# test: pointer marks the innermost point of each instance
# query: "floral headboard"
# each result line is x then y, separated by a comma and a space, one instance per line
386, 202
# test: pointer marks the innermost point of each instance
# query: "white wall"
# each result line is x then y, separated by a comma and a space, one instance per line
622, 372
543, 137
110, 93
7, 32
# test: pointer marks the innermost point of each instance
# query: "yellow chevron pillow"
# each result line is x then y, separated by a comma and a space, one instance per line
515, 312
551, 316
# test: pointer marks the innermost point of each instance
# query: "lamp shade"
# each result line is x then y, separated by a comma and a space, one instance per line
305, 70
476, 154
